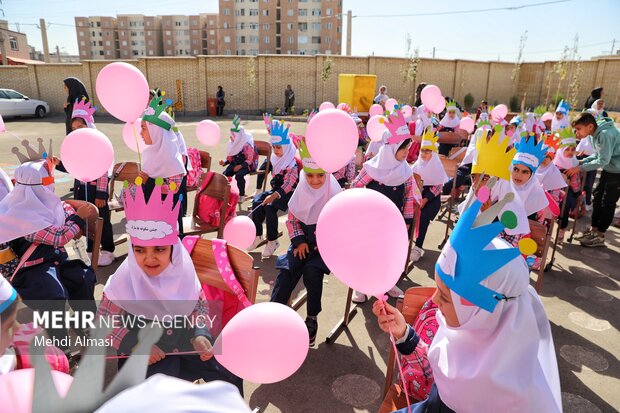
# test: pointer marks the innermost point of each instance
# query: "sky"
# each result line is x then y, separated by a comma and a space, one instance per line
455, 29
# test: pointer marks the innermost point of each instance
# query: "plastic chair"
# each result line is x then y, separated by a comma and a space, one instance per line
218, 188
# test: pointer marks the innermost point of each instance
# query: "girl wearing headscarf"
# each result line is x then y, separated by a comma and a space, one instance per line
75, 91
598, 108
429, 168
37, 225
597, 93
390, 174
486, 306
158, 282
241, 155
560, 118
97, 191
285, 173
565, 159
548, 174
451, 121
161, 158
315, 189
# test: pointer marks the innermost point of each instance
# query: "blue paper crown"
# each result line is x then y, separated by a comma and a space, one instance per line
470, 263
279, 133
516, 121
529, 153
563, 107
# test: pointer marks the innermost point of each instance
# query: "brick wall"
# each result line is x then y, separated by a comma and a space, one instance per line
201, 75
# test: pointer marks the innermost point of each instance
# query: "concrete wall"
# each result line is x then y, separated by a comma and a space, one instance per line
201, 75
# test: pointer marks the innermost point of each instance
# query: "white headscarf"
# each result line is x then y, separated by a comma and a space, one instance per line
431, 172
30, 206
6, 185
173, 292
502, 361
285, 161
593, 107
563, 162
241, 138
181, 142
585, 146
162, 159
531, 194
307, 203
385, 169
446, 122
168, 394
550, 177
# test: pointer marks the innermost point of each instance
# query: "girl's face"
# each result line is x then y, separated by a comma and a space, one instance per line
402, 153
78, 123
315, 180
451, 114
510, 129
569, 151
559, 115
521, 174
599, 105
153, 260
443, 299
426, 154
66, 88
8, 327
546, 161
278, 151
145, 134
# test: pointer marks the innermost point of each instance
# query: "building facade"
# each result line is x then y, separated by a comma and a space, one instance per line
14, 43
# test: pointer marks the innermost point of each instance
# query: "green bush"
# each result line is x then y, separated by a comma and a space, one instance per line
556, 99
468, 101
514, 104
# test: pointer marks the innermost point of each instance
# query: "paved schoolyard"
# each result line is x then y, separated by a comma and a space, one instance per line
580, 295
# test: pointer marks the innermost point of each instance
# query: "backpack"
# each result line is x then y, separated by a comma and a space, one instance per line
209, 207
416, 367
194, 173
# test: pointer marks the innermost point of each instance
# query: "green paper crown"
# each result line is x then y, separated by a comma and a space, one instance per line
567, 137
309, 165
451, 103
157, 105
236, 124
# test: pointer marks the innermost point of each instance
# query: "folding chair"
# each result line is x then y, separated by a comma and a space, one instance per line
409, 306
205, 163
264, 149
541, 234
242, 265
218, 188
95, 228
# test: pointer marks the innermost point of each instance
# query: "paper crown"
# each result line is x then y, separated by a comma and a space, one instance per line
236, 124
529, 153
83, 110
279, 133
563, 107
8, 295
397, 126
493, 158
345, 107
152, 223
451, 105
309, 165
32, 154
465, 261
516, 121
157, 105
552, 142
429, 140
312, 114
87, 392
567, 137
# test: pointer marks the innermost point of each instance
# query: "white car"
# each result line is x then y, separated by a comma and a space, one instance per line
13, 103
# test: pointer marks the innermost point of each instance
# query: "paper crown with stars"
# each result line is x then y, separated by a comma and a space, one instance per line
552, 142
493, 158
396, 124
83, 110
529, 153
429, 140
156, 107
567, 137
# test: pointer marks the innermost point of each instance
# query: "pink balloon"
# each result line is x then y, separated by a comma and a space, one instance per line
264, 343
87, 154
2, 127
499, 112
547, 116
375, 127
429, 95
208, 132
467, 123
326, 105
123, 91
332, 139
363, 222
375, 109
131, 136
390, 103
438, 105
16, 389
407, 111
240, 231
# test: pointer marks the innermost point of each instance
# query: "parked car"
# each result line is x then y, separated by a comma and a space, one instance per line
13, 103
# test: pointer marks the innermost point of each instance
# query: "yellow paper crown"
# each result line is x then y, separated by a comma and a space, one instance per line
493, 159
429, 140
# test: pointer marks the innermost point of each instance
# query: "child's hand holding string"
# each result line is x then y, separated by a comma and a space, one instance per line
221, 163
388, 318
203, 346
270, 198
157, 354
301, 251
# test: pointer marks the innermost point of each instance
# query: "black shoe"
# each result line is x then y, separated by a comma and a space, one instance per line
313, 327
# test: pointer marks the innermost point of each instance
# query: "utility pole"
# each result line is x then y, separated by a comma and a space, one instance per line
433, 52
349, 20
3, 49
58, 53
613, 45
46, 49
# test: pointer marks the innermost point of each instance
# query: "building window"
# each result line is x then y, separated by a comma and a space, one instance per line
265, 12
253, 12
316, 40
291, 40
265, 26
150, 53
194, 41
316, 26
148, 23
212, 42
226, 25
100, 43
150, 43
108, 53
240, 12
302, 39
227, 12
328, 12
135, 52
267, 40
316, 12
126, 53
242, 52
328, 40
134, 34
253, 26
290, 12
169, 42
122, 24
168, 33
228, 53
13, 41
303, 27
328, 26
81, 34
226, 39
107, 43
82, 43
194, 22
211, 22
254, 39
289, 26
124, 43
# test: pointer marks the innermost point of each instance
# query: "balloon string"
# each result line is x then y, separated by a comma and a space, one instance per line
254, 210
133, 130
177, 353
400, 367
86, 196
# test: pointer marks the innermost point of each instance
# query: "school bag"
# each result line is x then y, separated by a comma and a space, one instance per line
194, 173
416, 367
209, 207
